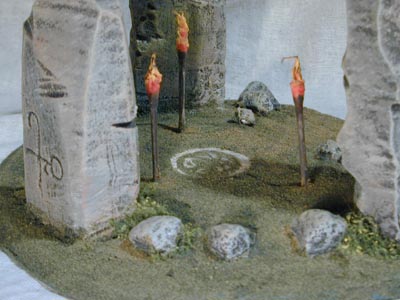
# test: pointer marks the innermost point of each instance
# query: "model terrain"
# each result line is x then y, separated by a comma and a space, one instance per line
266, 199
203, 198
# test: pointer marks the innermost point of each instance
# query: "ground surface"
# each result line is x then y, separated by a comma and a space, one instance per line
265, 198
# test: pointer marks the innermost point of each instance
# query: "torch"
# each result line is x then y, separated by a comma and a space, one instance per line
298, 89
153, 81
182, 46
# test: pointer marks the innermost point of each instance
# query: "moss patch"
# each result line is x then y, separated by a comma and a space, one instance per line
364, 237
266, 198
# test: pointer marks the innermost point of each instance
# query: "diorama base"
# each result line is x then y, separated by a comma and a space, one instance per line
205, 188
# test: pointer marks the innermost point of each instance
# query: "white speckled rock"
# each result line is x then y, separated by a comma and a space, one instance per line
370, 137
329, 151
318, 231
229, 241
245, 116
259, 98
157, 234
79, 107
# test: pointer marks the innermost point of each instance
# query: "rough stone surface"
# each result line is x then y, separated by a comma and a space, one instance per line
318, 231
229, 241
80, 141
245, 116
154, 30
329, 151
370, 138
157, 234
258, 98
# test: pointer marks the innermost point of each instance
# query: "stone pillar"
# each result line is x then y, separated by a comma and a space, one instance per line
370, 138
154, 30
79, 110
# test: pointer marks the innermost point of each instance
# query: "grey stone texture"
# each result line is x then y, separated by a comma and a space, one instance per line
158, 234
329, 151
318, 231
230, 241
80, 141
370, 138
258, 98
154, 31
245, 116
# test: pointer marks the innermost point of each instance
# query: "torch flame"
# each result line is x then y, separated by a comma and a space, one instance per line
182, 41
153, 78
296, 71
297, 83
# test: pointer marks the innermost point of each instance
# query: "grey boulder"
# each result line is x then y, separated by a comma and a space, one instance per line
259, 98
245, 116
318, 231
229, 241
329, 151
158, 234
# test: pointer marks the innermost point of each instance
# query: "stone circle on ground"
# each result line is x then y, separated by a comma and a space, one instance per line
201, 161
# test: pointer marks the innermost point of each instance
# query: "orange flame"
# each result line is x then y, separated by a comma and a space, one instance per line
297, 84
153, 78
182, 41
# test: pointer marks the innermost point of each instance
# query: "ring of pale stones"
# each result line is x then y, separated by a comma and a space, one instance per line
225, 162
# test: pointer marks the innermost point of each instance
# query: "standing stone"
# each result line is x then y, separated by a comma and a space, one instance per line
154, 31
370, 138
80, 138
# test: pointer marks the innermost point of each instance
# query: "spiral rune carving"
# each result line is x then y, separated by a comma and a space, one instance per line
50, 166
199, 162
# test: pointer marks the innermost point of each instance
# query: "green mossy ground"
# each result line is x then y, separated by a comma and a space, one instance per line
266, 198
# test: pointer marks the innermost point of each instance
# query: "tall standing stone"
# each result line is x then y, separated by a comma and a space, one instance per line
80, 138
154, 30
370, 138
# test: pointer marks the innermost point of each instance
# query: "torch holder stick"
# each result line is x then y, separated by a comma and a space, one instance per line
302, 144
154, 99
182, 94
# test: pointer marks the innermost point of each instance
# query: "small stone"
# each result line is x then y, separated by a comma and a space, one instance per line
229, 241
329, 151
259, 98
158, 234
245, 116
318, 231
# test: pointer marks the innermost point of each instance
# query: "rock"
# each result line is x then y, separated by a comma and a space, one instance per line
318, 231
259, 98
79, 107
155, 31
329, 151
157, 234
245, 116
370, 137
229, 241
